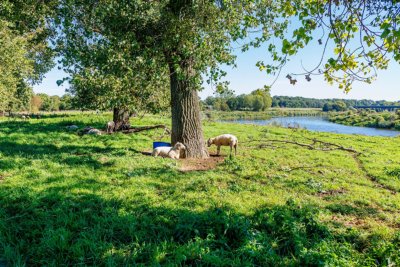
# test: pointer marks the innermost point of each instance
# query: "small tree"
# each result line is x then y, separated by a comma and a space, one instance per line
327, 107
265, 97
258, 103
66, 102
46, 102
36, 103
55, 103
339, 106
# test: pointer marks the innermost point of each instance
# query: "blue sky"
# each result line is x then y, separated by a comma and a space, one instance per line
246, 77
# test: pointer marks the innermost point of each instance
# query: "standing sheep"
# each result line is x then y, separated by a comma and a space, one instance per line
169, 152
223, 140
110, 126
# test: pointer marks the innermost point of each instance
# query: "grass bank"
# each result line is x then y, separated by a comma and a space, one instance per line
384, 120
261, 115
96, 200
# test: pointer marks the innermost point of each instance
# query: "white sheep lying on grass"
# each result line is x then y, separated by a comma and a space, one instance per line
72, 127
223, 140
94, 131
169, 152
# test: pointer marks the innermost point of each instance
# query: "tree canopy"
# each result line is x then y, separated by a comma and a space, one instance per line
125, 54
14, 65
25, 51
257, 100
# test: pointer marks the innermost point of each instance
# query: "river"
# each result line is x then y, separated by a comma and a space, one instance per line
320, 124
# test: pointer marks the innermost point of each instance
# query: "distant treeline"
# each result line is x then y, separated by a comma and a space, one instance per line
326, 104
29, 102
260, 100
44, 102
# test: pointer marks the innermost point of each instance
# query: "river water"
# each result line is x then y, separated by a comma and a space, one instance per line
320, 124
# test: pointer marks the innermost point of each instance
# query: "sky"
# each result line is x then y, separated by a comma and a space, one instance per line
246, 77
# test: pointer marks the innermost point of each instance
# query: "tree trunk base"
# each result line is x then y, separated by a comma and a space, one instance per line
186, 118
120, 118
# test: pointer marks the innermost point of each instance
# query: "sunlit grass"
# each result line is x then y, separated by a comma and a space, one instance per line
95, 200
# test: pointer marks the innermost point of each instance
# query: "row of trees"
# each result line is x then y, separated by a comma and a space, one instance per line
261, 99
44, 102
34, 103
303, 102
124, 55
258, 100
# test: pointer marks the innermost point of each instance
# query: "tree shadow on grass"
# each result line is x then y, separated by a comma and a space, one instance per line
34, 127
70, 155
361, 211
57, 227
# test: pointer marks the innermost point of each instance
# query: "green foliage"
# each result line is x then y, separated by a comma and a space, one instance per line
66, 102
122, 53
14, 67
364, 36
25, 53
258, 100
334, 106
303, 102
96, 200
368, 118
393, 172
256, 115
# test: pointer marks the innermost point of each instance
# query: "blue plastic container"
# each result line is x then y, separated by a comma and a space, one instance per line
158, 144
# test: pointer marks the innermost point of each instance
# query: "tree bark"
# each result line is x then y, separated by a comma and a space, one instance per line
186, 117
120, 117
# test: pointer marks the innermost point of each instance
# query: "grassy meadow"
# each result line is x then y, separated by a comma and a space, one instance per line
261, 115
70, 200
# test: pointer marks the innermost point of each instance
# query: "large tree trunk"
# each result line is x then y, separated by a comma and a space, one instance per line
120, 118
186, 117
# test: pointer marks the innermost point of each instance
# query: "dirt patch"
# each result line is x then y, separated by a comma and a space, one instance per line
351, 222
188, 165
3, 176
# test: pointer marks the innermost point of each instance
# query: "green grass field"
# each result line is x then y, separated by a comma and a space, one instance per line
260, 115
70, 200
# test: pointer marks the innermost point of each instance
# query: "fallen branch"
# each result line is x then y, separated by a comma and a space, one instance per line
289, 169
146, 128
326, 146
334, 145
